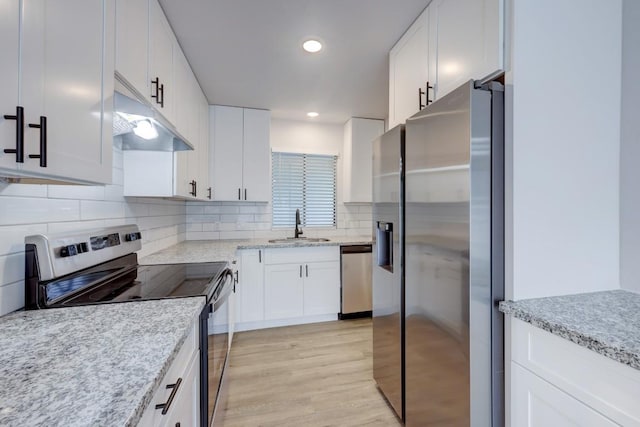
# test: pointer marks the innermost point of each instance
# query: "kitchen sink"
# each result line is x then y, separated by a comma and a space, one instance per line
299, 240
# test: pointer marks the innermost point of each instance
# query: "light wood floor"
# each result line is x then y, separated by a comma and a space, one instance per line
308, 375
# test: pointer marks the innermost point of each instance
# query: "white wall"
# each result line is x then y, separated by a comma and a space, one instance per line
563, 180
34, 209
233, 220
630, 149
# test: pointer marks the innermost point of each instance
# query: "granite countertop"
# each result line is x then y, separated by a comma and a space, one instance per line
606, 322
89, 365
225, 250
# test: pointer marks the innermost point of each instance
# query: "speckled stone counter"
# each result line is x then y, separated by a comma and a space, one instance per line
89, 366
225, 250
606, 322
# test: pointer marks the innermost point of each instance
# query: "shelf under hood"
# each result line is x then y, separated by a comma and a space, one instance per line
129, 107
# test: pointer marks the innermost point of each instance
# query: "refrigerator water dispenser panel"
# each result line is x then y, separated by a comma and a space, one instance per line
384, 239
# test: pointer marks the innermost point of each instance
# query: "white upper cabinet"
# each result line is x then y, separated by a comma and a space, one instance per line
226, 153
240, 155
132, 43
67, 99
409, 71
204, 181
465, 42
161, 76
256, 176
451, 42
9, 78
358, 152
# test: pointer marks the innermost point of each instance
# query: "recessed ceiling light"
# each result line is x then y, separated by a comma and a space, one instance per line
312, 114
312, 46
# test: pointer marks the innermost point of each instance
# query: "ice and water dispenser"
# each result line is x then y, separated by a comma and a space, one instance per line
384, 240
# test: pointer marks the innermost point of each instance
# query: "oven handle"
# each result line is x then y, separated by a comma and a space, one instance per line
228, 278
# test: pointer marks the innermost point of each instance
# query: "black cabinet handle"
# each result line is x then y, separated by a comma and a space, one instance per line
19, 150
426, 92
237, 278
306, 269
193, 191
209, 196
259, 255
301, 271
239, 192
161, 90
420, 104
43, 141
245, 194
174, 389
155, 95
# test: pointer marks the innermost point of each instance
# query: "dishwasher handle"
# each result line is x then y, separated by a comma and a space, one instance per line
355, 249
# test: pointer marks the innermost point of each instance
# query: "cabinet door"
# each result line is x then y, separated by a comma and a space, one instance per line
457, 56
183, 174
185, 408
226, 128
283, 294
204, 183
250, 298
409, 71
132, 42
67, 77
321, 288
161, 42
9, 69
256, 176
537, 403
358, 152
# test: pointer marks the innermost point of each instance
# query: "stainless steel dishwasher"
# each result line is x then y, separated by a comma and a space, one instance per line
355, 281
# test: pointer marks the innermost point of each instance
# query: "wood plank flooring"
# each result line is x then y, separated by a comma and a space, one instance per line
307, 375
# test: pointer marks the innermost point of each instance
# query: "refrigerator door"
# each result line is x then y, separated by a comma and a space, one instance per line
387, 268
448, 262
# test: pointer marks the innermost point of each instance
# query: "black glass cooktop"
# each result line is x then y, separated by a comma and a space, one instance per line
119, 283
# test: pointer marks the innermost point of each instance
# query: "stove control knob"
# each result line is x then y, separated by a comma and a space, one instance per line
132, 237
70, 250
82, 247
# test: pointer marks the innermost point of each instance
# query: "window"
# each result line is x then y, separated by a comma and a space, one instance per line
306, 182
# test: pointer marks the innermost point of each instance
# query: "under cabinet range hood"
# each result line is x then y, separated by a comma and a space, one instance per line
141, 126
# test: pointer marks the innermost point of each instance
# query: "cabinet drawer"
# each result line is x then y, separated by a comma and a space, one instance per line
178, 369
535, 402
301, 255
607, 386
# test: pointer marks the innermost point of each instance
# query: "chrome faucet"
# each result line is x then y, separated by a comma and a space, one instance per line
298, 230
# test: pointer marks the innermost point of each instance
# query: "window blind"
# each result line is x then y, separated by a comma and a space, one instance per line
306, 182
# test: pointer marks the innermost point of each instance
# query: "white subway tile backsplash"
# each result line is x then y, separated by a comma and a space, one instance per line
90, 209
12, 237
12, 267
84, 192
63, 227
11, 297
23, 210
22, 190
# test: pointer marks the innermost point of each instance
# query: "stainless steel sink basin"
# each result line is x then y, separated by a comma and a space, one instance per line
299, 240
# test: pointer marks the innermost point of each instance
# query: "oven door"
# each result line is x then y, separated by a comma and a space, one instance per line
214, 346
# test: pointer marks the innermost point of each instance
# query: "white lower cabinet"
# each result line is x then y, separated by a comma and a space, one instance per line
555, 382
286, 286
283, 291
250, 287
177, 399
536, 402
321, 288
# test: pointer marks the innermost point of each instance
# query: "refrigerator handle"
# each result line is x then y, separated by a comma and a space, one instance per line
384, 239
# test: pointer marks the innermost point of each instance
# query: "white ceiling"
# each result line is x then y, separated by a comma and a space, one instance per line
248, 53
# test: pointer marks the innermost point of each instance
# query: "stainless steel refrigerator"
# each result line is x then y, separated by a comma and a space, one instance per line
447, 331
